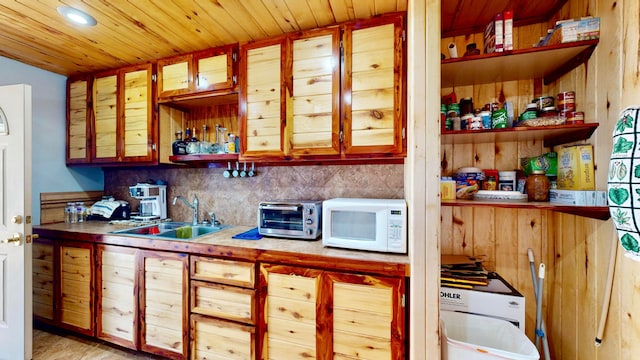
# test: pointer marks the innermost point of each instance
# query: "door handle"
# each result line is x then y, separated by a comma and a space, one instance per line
16, 239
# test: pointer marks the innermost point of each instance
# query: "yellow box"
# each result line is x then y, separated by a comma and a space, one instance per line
575, 168
447, 190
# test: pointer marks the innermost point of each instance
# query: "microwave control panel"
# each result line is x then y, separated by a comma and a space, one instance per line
396, 229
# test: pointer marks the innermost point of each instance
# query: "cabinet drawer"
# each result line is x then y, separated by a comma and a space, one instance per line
217, 339
229, 272
223, 301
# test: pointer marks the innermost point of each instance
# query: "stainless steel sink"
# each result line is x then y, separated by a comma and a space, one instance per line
171, 231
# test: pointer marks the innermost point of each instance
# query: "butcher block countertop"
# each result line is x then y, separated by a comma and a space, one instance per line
221, 244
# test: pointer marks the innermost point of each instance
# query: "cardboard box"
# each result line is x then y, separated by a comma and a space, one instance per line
498, 300
575, 30
575, 168
508, 30
447, 189
578, 197
494, 35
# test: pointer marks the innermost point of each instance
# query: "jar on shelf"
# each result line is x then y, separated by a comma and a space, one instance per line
537, 186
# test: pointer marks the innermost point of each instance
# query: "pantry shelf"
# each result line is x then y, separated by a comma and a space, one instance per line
593, 212
546, 62
550, 135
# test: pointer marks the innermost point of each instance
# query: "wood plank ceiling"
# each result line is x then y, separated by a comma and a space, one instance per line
136, 31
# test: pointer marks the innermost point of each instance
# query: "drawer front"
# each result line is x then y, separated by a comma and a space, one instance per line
221, 271
222, 301
217, 339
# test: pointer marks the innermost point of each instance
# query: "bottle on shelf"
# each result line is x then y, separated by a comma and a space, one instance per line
179, 147
193, 145
205, 145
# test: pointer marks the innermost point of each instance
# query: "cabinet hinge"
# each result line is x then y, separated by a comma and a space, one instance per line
234, 56
403, 301
404, 36
340, 137
234, 79
341, 49
404, 133
154, 77
153, 147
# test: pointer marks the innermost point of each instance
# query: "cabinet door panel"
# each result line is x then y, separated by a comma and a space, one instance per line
315, 76
175, 77
43, 279
373, 87
164, 304
263, 127
78, 129
75, 304
117, 318
105, 116
212, 70
216, 339
136, 113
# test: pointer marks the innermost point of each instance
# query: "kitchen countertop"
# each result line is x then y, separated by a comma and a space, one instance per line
221, 243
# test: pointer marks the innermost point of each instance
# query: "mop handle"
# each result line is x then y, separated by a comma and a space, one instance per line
607, 293
532, 265
539, 304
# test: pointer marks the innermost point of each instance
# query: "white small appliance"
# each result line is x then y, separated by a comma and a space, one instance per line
365, 224
153, 201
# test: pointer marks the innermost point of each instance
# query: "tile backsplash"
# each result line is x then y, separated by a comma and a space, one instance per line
235, 200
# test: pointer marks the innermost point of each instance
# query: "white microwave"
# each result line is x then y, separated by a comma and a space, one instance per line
365, 224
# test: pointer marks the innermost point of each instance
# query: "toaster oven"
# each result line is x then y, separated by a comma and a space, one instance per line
290, 219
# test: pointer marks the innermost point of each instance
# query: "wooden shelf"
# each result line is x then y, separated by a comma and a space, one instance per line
550, 135
546, 62
593, 212
203, 158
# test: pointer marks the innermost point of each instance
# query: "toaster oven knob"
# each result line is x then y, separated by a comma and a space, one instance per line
309, 221
309, 232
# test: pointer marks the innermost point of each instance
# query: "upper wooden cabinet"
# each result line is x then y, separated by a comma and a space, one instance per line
297, 102
263, 99
373, 87
123, 115
78, 120
207, 70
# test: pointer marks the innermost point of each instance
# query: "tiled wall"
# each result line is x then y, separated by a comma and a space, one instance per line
235, 200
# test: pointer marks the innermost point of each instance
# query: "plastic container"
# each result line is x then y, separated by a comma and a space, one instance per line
507, 180
476, 337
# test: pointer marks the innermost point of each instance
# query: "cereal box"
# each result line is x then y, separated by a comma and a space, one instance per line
575, 168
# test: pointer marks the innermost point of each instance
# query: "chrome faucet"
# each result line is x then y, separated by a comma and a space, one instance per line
194, 206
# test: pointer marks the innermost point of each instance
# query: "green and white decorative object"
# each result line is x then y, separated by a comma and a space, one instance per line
623, 188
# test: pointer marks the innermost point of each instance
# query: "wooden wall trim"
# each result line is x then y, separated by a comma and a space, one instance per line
52, 204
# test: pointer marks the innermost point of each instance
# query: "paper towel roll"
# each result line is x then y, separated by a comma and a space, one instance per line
453, 50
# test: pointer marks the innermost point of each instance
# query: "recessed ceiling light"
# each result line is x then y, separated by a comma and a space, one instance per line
77, 16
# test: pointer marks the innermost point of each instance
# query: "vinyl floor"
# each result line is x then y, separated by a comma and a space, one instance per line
56, 345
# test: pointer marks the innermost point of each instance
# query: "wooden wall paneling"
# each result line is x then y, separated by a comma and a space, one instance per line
588, 308
567, 287
170, 121
446, 229
225, 115
506, 243
462, 230
484, 235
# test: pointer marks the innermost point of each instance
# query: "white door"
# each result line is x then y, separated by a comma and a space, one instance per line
15, 223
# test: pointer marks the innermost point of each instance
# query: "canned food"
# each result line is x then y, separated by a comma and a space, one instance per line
575, 117
465, 121
567, 101
544, 102
499, 119
486, 119
528, 115
549, 111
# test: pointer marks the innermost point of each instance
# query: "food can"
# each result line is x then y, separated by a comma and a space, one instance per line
486, 119
575, 117
549, 111
567, 101
465, 121
544, 102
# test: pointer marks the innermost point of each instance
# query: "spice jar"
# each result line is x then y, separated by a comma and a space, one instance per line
537, 186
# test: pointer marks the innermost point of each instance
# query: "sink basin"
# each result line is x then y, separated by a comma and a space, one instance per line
172, 231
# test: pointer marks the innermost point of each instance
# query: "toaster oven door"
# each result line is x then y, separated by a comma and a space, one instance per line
283, 219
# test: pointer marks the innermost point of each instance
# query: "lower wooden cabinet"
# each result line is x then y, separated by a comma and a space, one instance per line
43, 279
223, 304
74, 295
164, 306
310, 313
117, 295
